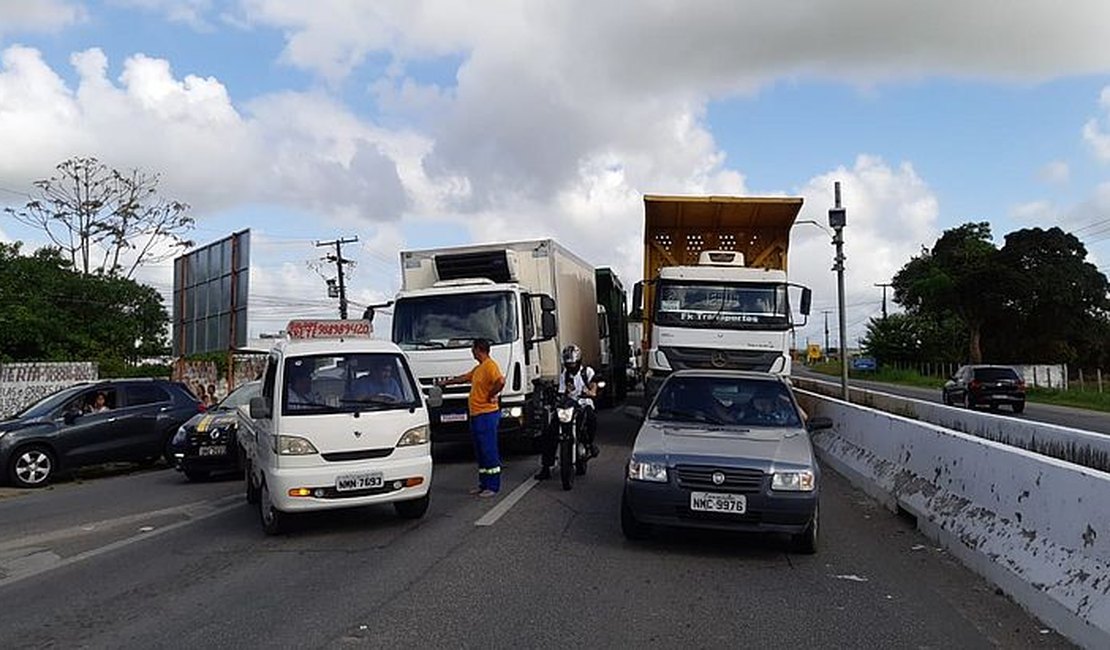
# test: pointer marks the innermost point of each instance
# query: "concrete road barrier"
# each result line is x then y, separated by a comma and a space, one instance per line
1037, 527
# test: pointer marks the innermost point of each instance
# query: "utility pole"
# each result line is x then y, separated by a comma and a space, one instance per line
837, 220
340, 261
826, 312
884, 285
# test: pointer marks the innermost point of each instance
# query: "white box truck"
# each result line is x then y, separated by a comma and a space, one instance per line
529, 298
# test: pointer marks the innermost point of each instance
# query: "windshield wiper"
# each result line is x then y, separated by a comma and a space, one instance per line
311, 406
387, 400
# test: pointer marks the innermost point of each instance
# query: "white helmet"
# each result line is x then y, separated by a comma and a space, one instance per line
572, 355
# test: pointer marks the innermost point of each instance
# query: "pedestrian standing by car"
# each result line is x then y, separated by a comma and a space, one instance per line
486, 382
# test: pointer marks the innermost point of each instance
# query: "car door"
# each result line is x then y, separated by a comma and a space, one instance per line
149, 413
87, 437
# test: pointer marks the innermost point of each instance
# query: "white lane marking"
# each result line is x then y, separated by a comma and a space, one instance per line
499, 510
81, 557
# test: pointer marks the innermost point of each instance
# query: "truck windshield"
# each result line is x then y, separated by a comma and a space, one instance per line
454, 321
341, 383
729, 306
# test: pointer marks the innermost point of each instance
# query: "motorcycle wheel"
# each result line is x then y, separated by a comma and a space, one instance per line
566, 463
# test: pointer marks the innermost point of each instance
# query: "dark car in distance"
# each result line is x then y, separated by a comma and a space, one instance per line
208, 443
129, 420
725, 450
985, 385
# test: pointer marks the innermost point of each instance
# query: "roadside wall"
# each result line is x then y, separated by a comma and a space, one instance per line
1073, 445
24, 383
1036, 527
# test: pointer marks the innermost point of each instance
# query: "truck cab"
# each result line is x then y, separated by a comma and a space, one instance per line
340, 422
715, 292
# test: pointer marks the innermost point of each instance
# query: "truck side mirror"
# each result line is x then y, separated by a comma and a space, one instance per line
435, 397
547, 303
549, 325
807, 300
637, 312
260, 408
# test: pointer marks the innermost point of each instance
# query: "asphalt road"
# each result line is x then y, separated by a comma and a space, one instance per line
1066, 416
148, 560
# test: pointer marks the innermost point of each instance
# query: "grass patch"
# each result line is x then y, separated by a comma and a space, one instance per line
1084, 399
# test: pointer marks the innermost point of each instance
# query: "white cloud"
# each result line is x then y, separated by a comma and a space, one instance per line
1042, 214
1094, 132
39, 15
189, 12
1056, 172
300, 150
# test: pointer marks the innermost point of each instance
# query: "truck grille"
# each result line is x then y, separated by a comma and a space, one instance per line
700, 477
362, 454
703, 358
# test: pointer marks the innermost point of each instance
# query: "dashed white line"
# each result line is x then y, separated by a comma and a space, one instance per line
499, 510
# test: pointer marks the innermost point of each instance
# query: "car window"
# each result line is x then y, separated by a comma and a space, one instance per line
139, 394
241, 395
742, 401
96, 400
996, 374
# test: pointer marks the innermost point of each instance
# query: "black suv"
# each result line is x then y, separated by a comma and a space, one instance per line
974, 386
90, 423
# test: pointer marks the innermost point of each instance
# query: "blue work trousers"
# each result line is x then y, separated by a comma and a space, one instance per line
484, 429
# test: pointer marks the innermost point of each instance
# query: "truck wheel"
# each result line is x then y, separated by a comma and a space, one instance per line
566, 463
273, 520
412, 509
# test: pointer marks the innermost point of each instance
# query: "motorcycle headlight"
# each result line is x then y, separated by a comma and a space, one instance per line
178, 438
647, 471
793, 481
414, 436
565, 415
294, 446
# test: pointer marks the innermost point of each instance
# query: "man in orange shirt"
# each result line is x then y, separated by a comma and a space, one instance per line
486, 382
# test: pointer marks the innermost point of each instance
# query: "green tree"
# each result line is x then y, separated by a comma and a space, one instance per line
100, 217
1056, 298
49, 312
915, 337
962, 276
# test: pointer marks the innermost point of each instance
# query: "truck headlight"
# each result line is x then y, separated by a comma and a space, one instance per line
512, 412
647, 471
565, 415
294, 446
659, 361
414, 436
793, 481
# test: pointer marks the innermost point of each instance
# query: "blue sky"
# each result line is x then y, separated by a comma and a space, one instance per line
414, 124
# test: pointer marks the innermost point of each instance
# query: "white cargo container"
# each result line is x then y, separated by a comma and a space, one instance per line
529, 298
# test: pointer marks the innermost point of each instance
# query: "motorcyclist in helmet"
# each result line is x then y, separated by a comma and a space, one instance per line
580, 382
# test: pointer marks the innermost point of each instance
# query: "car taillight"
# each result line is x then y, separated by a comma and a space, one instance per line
1021, 384
974, 385
201, 407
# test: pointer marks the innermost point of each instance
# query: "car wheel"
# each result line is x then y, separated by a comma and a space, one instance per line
252, 491
1019, 407
806, 541
412, 509
633, 528
195, 475
273, 520
31, 467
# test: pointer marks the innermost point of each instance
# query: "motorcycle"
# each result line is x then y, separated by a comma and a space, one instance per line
572, 452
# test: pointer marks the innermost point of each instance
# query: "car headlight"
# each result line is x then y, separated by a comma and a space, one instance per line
414, 436
178, 438
512, 412
294, 446
793, 481
565, 415
647, 471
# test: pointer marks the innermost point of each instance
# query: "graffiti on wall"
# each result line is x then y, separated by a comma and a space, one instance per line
22, 384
